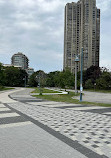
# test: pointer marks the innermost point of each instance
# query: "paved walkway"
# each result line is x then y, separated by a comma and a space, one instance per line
35, 128
97, 97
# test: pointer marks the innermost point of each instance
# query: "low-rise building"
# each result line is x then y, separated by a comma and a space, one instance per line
10, 65
30, 71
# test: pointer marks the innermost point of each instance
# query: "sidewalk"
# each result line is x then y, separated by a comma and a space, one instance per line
21, 138
97, 97
30, 141
36, 128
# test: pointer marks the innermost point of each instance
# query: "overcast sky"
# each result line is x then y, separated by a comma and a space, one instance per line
36, 28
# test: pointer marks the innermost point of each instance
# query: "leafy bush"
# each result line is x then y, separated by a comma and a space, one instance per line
89, 84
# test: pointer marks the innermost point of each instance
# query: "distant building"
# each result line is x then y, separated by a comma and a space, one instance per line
9, 65
20, 60
81, 29
30, 71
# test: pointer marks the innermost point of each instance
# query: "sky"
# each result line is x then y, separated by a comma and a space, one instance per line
36, 28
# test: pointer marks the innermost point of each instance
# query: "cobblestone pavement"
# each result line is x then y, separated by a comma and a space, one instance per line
20, 138
86, 128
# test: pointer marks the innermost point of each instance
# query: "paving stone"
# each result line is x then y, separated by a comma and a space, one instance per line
89, 128
57, 112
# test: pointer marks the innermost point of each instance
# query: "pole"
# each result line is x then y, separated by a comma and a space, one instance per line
75, 77
40, 92
39, 83
76, 61
81, 88
25, 81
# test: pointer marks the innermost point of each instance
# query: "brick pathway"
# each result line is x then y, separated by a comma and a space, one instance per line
35, 128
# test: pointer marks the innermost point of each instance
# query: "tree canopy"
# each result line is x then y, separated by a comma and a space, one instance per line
93, 77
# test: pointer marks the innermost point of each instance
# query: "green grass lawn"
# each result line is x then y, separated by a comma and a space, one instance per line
68, 99
60, 98
44, 90
5, 88
98, 90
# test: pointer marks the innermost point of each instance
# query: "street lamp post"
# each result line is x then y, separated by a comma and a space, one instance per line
81, 88
24, 81
39, 85
76, 61
40, 91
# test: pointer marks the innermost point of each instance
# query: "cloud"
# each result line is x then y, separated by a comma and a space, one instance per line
49, 6
23, 3
105, 5
36, 28
29, 25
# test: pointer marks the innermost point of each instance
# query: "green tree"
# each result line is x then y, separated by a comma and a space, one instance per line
92, 73
1, 75
61, 79
41, 78
66, 79
104, 82
32, 80
38, 77
53, 79
14, 77
89, 84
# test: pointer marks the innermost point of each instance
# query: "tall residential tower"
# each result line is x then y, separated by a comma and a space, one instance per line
81, 29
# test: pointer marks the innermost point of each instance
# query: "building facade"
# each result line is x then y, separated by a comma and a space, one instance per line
81, 29
20, 60
30, 71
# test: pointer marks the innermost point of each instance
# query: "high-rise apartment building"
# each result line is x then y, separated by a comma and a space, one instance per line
20, 60
81, 29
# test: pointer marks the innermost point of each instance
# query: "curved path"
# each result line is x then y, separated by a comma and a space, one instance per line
96, 97
89, 96
36, 128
